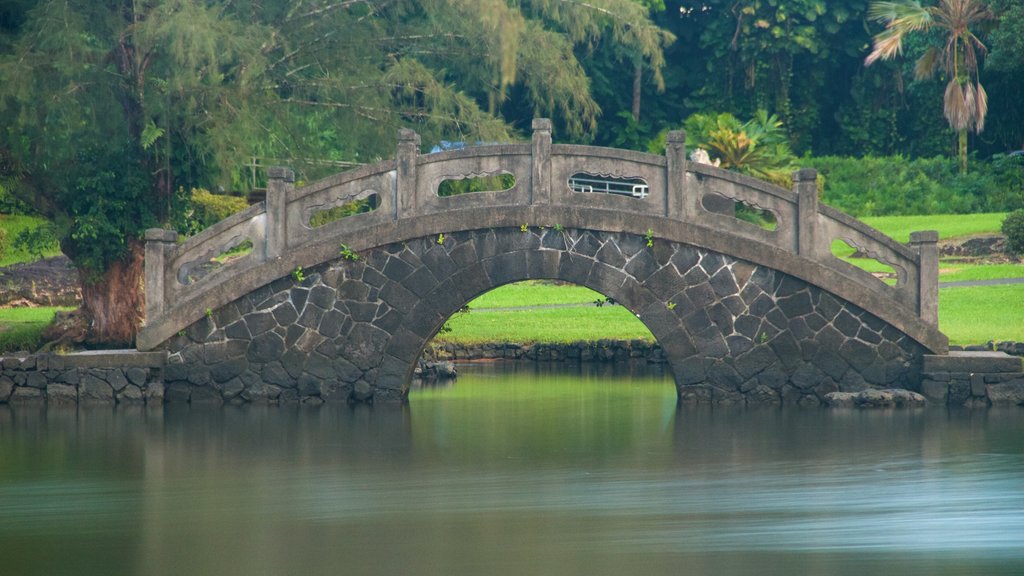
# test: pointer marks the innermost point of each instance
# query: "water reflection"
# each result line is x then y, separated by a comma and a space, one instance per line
529, 472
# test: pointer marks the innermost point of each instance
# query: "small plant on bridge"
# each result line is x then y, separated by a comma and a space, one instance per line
209, 313
440, 238
348, 253
298, 275
670, 305
524, 227
649, 237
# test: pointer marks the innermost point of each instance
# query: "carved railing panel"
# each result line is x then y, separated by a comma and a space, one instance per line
490, 160
567, 161
205, 256
713, 185
905, 262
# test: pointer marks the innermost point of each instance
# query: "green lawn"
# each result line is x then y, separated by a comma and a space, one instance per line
20, 327
535, 293
546, 325
976, 315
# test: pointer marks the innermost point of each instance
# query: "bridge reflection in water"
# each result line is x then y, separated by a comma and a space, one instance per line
744, 314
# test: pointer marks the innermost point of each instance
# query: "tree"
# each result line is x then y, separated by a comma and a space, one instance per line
965, 102
110, 107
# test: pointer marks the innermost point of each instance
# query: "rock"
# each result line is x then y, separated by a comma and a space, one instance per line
433, 370
875, 398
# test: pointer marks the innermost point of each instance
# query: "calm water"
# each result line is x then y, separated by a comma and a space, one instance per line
519, 474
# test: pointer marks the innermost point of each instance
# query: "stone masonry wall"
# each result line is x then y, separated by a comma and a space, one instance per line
107, 377
353, 329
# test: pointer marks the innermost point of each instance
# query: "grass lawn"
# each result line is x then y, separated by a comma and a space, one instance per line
978, 314
20, 327
535, 293
546, 325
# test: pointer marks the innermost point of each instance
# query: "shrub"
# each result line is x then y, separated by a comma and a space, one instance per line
1013, 227
896, 186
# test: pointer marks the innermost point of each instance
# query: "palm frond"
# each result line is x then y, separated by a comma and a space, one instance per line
982, 111
888, 44
954, 106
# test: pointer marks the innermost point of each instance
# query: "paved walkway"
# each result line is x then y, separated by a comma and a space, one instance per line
993, 282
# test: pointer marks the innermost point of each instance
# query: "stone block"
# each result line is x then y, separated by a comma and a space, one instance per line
26, 395
1006, 394
935, 391
61, 394
973, 362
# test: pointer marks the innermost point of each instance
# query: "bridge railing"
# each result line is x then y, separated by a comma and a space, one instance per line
202, 272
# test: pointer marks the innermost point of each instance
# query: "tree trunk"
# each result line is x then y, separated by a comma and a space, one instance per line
962, 150
638, 69
114, 304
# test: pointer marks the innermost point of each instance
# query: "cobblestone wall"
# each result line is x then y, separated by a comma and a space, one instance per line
353, 329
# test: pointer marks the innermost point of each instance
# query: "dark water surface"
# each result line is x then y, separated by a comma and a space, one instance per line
503, 473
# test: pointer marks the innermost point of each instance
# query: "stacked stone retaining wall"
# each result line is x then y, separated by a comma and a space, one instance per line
107, 377
973, 379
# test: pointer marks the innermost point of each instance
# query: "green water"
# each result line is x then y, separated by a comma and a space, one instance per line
526, 472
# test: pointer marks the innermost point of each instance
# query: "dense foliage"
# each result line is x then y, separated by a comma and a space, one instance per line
897, 186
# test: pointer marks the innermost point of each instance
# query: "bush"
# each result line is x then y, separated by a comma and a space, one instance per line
896, 186
1013, 227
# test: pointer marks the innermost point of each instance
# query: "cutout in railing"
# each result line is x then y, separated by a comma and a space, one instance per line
868, 261
196, 270
588, 183
366, 201
743, 211
466, 183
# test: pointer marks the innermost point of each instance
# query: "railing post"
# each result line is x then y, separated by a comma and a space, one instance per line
678, 204
805, 186
159, 244
406, 203
540, 176
279, 180
926, 244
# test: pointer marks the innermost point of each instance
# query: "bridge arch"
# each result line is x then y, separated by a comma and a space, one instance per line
743, 315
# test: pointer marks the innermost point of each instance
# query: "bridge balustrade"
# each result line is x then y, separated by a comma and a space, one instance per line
181, 283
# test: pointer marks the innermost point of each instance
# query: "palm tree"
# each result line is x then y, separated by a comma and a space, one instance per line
965, 102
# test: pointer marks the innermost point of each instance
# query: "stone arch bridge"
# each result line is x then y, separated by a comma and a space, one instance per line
743, 313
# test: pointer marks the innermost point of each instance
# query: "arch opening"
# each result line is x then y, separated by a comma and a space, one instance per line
545, 325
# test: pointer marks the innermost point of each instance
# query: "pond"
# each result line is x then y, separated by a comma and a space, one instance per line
511, 471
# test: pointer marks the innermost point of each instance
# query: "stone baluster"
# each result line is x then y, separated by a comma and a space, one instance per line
159, 244
926, 244
406, 203
540, 175
808, 240
279, 181
678, 203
